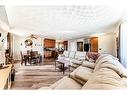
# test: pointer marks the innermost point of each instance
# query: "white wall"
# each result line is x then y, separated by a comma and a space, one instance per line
3, 37
2, 57
17, 47
107, 44
3, 45
72, 44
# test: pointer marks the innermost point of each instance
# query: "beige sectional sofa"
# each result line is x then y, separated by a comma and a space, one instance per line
105, 73
74, 58
69, 55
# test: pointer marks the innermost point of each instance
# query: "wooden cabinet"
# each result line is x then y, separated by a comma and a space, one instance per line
47, 54
94, 44
49, 43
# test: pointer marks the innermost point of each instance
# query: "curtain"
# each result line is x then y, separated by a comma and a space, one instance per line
123, 44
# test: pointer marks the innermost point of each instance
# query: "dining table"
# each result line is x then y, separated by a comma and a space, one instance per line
32, 57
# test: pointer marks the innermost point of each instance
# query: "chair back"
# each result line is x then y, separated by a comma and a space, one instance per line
28, 52
80, 55
21, 54
34, 54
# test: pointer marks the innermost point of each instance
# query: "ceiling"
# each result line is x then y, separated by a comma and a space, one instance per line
62, 22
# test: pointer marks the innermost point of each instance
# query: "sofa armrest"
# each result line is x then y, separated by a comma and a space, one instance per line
88, 64
81, 74
81, 58
76, 61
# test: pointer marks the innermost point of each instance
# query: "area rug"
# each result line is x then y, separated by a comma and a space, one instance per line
34, 77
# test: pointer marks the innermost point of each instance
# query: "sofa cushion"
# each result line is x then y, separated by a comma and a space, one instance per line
124, 80
72, 75
72, 54
107, 74
104, 78
73, 65
123, 71
88, 64
109, 64
67, 83
105, 58
80, 55
112, 63
76, 61
102, 56
81, 74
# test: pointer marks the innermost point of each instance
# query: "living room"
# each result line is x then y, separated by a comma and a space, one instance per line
63, 47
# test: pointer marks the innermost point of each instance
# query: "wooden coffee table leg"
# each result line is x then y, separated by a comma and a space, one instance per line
55, 65
69, 70
63, 69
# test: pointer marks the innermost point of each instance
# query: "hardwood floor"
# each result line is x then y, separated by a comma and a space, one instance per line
34, 77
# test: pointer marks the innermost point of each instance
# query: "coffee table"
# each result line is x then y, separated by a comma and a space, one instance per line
64, 64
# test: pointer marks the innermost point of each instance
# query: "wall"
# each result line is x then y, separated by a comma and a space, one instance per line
3, 38
18, 45
107, 44
3, 45
72, 44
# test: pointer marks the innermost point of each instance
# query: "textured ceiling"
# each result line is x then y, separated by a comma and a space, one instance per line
3, 17
62, 22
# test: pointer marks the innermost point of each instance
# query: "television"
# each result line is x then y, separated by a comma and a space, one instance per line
86, 47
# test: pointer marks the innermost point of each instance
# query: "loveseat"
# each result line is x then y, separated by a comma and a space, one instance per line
106, 73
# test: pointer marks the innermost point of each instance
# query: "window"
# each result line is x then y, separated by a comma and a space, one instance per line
123, 44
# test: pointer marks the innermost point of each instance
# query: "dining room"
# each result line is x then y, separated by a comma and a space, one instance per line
32, 70
30, 57
28, 50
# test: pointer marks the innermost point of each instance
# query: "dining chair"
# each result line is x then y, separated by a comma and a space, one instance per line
33, 57
23, 58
